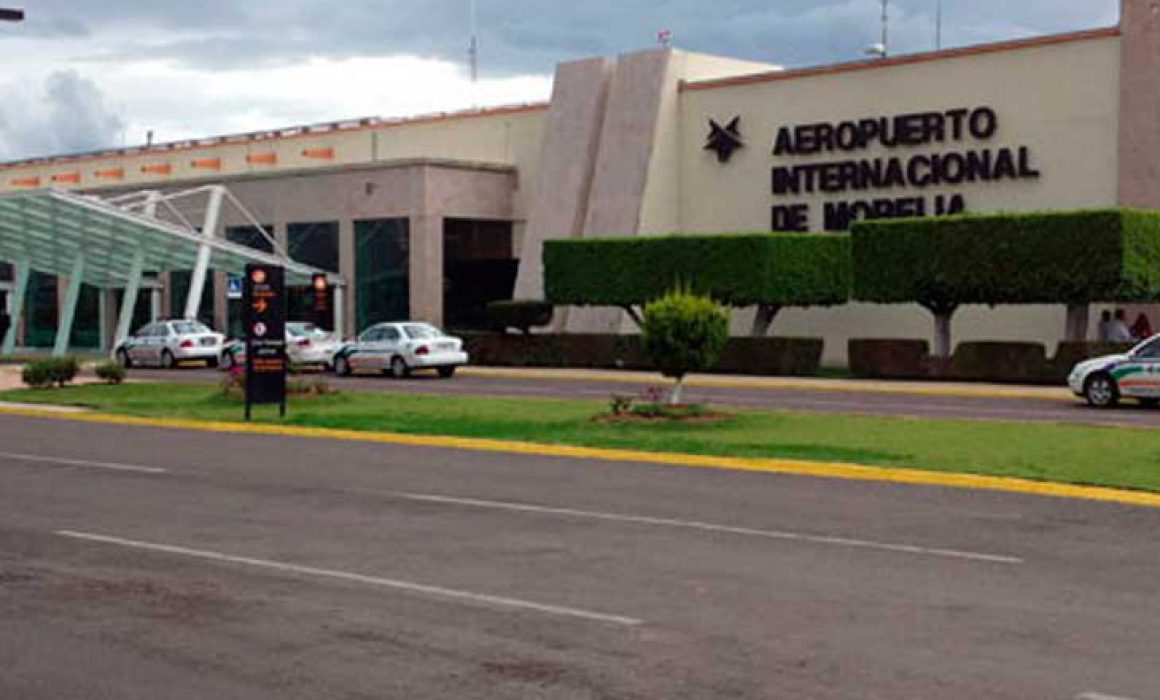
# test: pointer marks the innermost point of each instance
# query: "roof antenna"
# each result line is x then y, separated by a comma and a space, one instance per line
148, 138
938, 21
882, 49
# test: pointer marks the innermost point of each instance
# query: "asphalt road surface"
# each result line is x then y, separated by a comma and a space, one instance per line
873, 403
150, 563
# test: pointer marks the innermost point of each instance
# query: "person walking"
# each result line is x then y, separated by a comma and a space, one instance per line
1142, 328
1104, 330
1118, 330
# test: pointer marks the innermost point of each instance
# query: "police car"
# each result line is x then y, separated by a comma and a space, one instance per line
166, 343
400, 348
1103, 381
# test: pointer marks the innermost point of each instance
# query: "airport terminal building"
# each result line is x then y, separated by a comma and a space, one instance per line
432, 217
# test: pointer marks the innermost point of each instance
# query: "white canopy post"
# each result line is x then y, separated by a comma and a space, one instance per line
19, 289
69, 312
129, 299
339, 320
201, 268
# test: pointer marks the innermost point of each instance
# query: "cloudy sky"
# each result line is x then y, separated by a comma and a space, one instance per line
87, 74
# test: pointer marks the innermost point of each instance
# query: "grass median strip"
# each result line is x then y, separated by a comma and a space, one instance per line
1071, 454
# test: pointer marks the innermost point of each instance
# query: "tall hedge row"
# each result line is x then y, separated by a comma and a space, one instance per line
734, 269
1041, 258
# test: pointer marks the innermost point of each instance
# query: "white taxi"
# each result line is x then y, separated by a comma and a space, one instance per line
166, 343
1103, 381
400, 348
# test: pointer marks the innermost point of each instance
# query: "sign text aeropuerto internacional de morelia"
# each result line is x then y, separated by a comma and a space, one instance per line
869, 175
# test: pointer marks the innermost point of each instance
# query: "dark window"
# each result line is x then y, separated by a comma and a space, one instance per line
40, 310
382, 276
314, 244
252, 237
479, 266
6, 272
179, 282
86, 327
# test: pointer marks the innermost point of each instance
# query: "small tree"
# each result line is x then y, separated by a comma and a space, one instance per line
683, 333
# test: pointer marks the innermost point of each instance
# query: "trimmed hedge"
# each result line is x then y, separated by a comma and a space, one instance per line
1042, 258
519, 314
888, 358
761, 356
1000, 362
734, 269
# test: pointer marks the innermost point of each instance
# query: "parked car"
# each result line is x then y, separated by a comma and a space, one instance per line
1103, 381
400, 348
166, 343
306, 345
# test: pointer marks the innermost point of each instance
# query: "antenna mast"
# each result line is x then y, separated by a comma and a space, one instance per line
885, 28
473, 48
937, 24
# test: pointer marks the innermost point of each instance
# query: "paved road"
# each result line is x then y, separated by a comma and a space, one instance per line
148, 563
878, 403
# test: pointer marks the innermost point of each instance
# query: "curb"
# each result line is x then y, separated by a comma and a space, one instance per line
825, 470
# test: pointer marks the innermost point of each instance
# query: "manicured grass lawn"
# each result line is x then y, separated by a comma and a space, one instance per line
1120, 457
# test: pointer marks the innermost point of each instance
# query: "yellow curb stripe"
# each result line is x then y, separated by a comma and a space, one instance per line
828, 470
781, 384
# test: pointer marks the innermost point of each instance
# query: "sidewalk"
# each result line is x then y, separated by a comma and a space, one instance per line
952, 389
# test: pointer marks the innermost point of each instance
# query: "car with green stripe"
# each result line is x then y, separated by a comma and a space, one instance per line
1104, 381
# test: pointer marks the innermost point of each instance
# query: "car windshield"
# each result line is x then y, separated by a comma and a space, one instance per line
422, 331
1149, 350
298, 330
190, 328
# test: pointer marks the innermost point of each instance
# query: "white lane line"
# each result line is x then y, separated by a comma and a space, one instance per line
435, 591
84, 463
1100, 696
711, 527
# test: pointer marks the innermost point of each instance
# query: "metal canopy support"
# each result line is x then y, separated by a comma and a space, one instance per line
68, 313
129, 300
19, 289
201, 268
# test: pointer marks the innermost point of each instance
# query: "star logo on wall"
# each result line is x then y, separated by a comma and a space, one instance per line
724, 140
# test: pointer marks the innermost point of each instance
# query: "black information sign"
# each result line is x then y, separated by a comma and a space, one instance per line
320, 306
264, 297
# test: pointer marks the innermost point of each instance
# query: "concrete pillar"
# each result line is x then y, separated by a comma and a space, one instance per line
1139, 150
348, 268
201, 267
129, 299
425, 268
571, 141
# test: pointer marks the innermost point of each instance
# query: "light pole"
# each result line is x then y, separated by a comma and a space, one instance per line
882, 50
937, 25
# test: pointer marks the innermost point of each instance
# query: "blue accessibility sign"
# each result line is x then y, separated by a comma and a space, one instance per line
233, 287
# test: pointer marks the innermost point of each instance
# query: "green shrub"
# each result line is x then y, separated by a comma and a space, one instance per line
111, 372
735, 269
522, 315
47, 372
684, 332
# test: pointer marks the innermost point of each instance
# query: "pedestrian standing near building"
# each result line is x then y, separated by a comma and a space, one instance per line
1142, 328
1104, 330
1118, 330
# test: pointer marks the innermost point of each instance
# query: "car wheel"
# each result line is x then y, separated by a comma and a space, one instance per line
123, 359
447, 372
1101, 391
1150, 403
399, 369
342, 366
168, 361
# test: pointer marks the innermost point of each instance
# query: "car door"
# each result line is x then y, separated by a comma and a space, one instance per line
1140, 375
363, 356
140, 345
392, 339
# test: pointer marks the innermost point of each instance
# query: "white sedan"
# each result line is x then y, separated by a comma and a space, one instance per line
306, 344
166, 343
1103, 381
400, 348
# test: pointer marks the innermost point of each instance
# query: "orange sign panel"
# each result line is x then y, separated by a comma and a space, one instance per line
262, 158
26, 182
207, 163
67, 178
111, 174
322, 153
157, 169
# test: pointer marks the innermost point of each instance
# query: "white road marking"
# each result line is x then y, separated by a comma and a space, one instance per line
711, 527
1100, 696
435, 591
84, 463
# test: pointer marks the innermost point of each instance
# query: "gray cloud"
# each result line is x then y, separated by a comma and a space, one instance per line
532, 35
68, 114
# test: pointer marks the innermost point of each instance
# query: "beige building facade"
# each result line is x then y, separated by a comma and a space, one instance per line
1049, 123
